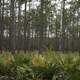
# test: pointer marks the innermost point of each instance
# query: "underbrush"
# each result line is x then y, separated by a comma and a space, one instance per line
48, 65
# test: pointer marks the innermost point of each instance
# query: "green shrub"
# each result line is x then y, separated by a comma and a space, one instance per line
46, 66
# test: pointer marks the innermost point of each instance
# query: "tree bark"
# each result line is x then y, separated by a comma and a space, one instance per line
12, 28
63, 26
19, 25
25, 27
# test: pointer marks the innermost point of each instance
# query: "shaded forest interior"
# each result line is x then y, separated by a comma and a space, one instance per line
39, 24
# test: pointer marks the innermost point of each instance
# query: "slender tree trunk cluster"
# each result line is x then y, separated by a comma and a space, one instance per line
27, 25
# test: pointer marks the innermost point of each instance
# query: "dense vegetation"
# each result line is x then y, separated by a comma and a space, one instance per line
48, 65
35, 26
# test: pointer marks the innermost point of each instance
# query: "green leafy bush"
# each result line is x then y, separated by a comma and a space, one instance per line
46, 66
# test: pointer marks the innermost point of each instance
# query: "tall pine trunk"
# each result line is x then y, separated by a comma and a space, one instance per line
25, 27
63, 25
0, 25
41, 26
19, 25
12, 28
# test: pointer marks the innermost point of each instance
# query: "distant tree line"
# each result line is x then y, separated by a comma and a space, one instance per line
39, 24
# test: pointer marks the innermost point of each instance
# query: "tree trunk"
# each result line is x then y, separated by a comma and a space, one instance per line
25, 27
41, 27
19, 25
0, 25
63, 26
12, 28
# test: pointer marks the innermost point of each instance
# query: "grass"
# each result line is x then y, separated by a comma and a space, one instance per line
48, 65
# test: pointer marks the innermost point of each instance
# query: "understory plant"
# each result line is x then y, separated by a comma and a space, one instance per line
48, 65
